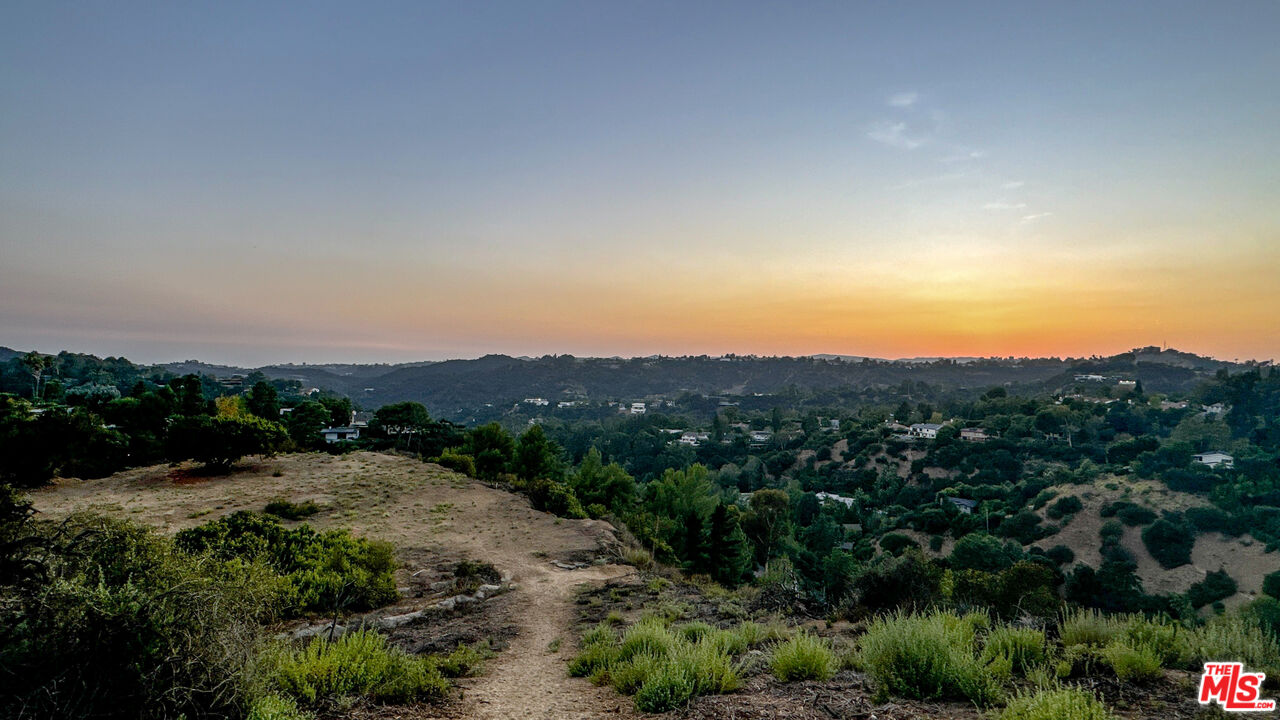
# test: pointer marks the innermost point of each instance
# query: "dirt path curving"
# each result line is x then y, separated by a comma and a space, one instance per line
528, 680
426, 512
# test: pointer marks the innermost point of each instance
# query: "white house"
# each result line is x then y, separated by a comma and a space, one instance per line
974, 434
825, 497
637, 408
537, 401
1215, 458
964, 505
1214, 409
338, 434
760, 436
925, 430
694, 439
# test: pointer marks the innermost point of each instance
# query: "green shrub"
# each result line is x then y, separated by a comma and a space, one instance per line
457, 461
803, 657
464, 661
326, 570
275, 707
1134, 515
291, 511
1132, 663
1216, 585
105, 618
1212, 519
1058, 704
1023, 648
1068, 505
650, 637
667, 687
357, 664
1089, 628
663, 668
1169, 542
1271, 584
1061, 554
1168, 641
925, 657
1236, 638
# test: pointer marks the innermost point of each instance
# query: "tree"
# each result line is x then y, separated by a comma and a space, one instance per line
492, 447
306, 421
339, 410
411, 428
1169, 541
607, 485
980, 551
768, 521
36, 364
728, 553
537, 457
264, 401
218, 442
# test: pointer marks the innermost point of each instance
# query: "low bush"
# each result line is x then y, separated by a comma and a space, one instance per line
1056, 704
1068, 505
1133, 663
1271, 584
457, 462
358, 664
1089, 628
1023, 648
1216, 585
663, 668
326, 571
926, 657
1237, 638
291, 511
1169, 542
275, 707
803, 657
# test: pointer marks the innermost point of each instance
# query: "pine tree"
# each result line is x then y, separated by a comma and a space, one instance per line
728, 553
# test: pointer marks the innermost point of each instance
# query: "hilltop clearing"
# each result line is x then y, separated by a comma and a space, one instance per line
434, 517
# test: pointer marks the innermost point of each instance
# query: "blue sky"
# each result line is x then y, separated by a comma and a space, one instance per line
251, 182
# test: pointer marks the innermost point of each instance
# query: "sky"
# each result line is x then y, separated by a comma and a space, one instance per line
255, 182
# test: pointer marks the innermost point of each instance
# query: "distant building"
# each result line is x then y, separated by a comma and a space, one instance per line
1170, 405
338, 434
694, 439
965, 506
825, 497
567, 403
1215, 459
1091, 378
760, 436
537, 401
1214, 409
925, 430
637, 408
974, 434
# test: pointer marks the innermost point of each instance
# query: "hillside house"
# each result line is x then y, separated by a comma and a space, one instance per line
637, 408
1216, 409
1215, 459
760, 436
694, 439
925, 430
825, 497
974, 434
964, 505
339, 434
540, 402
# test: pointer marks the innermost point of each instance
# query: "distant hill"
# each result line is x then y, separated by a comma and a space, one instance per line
458, 389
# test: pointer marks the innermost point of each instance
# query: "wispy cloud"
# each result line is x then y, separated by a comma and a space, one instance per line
895, 135
961, 154
1013, 185
1035, 216
904, 99
1003, 205
937, 180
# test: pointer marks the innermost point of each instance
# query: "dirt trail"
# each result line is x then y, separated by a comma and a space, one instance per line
427, 512
528, 680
